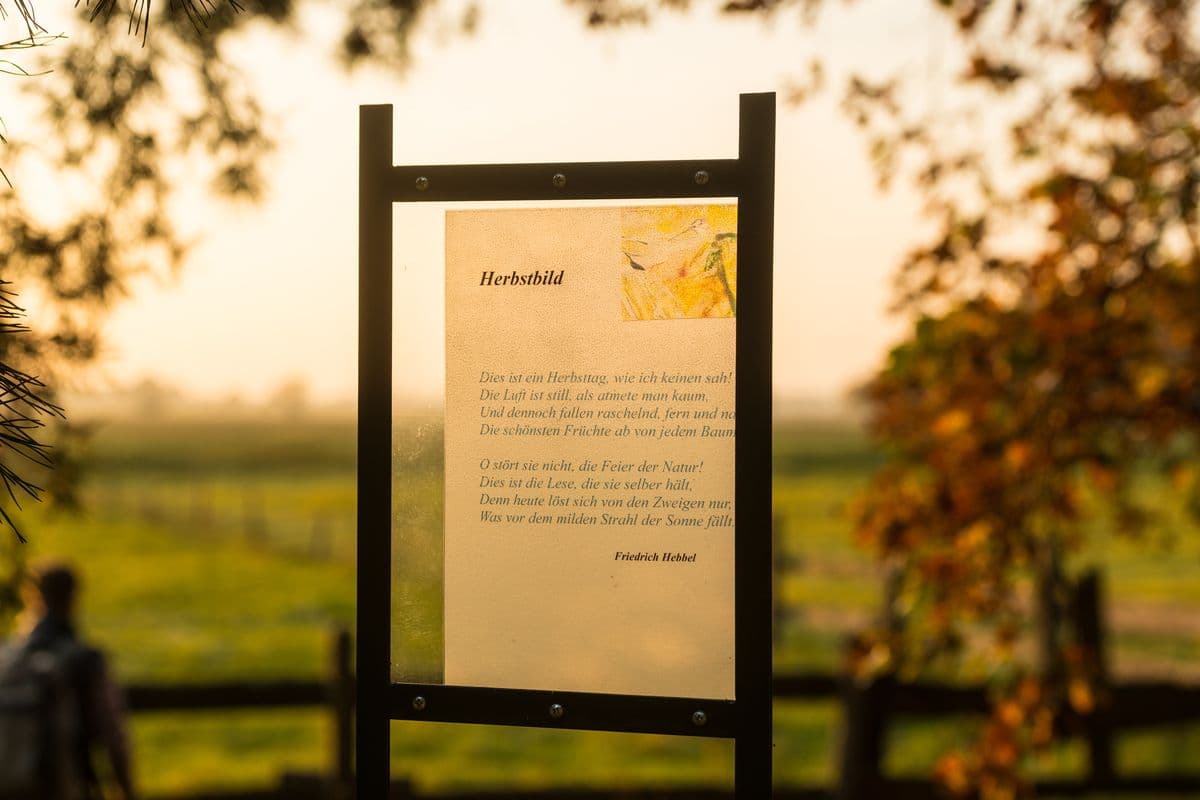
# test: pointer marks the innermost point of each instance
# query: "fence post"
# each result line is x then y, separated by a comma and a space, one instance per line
1051, 591
341, 691
1098, 725
864, 734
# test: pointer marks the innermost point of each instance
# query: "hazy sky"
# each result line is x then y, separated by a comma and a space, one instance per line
533, 84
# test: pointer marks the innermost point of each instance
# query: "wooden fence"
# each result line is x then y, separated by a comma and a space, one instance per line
335, 694
869, 708
868, 712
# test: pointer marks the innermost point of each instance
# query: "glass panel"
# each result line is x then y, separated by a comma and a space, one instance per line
588, 454
418, 456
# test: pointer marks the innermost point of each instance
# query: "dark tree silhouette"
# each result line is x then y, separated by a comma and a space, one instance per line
113, 128
117, 131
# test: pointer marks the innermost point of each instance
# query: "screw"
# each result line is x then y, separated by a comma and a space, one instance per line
559, 180
556, 711
419, 703
701, 177
422, 183
699, 719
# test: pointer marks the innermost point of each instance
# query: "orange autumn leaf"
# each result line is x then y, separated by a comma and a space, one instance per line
952, 773
951, 423
1081, 696
1017, 454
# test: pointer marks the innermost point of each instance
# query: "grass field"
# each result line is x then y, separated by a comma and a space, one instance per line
221, 551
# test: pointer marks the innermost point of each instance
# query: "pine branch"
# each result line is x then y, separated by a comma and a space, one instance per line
28, 14
197, 12
23, 409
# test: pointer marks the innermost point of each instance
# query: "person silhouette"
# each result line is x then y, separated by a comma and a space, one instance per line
98, 708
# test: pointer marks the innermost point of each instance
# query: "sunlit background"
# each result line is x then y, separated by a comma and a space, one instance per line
216, 529
533, 83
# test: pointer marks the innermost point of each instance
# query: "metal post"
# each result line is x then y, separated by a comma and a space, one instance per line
373, 726
756, 230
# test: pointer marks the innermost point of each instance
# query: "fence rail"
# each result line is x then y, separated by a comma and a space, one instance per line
223, 696
1135, 704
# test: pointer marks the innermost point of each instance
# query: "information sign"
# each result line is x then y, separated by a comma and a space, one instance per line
605, 505
590, 449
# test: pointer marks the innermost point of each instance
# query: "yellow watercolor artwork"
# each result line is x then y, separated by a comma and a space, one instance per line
680, 262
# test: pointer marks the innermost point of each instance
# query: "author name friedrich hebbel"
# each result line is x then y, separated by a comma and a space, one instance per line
621, 555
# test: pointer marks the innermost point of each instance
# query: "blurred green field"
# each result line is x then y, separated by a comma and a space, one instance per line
226, 551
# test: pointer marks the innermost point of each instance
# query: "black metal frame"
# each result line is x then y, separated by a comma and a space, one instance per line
751, 179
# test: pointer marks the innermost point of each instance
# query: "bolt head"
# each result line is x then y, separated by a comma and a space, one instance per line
557, 711
559, 180
418, 703
701, 177
422, 183
699, 719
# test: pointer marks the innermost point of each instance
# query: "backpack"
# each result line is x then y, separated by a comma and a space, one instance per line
40, 723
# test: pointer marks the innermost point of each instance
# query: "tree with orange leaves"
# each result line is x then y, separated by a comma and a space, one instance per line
1055, 350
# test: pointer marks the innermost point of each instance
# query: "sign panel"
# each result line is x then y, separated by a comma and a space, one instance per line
589, 435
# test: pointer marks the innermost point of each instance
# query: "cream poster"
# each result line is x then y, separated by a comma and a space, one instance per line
589, 538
